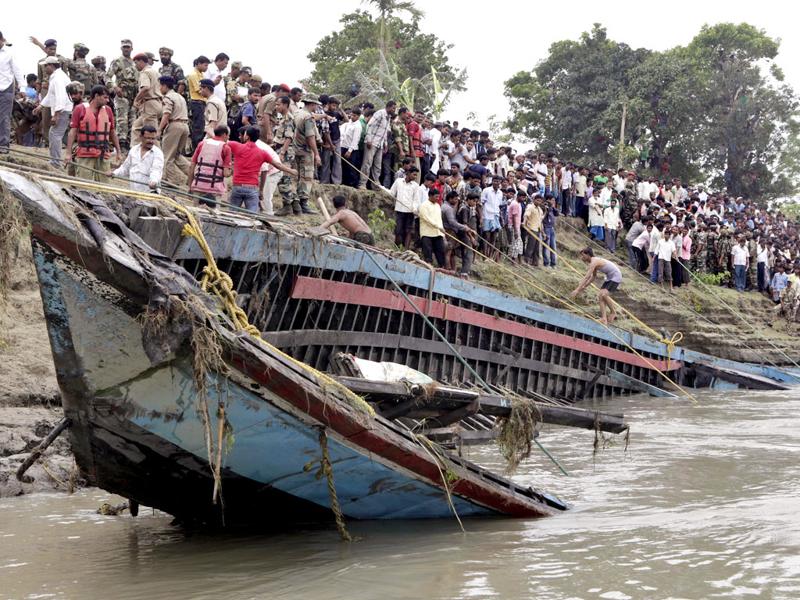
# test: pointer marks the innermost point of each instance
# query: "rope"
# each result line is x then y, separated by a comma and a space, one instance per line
216, 281
327, 471
699, 314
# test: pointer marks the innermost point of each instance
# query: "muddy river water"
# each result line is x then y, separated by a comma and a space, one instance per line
705, 503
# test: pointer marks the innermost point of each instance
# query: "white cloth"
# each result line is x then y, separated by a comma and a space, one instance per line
351, 136
491, 200
272, 179
142, 170
740, 255
596, 212
406, 195
10, 71
219, 89
611, 217
665, 249
57, 97
436, 138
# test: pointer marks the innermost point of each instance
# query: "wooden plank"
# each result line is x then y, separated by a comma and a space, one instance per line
309, 288
632, 382
443, 398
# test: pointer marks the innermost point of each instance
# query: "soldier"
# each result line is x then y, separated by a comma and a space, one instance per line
306, 152
99, 64
148, 98
724, 246
151, 58
712, 241
174, 132
752, 247
80, 69
283, 145
699, 249
172, 69
122, 74
237, 90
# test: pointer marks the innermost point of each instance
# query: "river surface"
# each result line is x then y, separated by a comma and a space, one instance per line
705, 503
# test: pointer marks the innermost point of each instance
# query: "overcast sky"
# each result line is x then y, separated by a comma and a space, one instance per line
494, 40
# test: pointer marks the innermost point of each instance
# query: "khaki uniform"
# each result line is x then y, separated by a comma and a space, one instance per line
284, 131
303, 157
174, 138
266, 106
123, 72
150, 108
215, 112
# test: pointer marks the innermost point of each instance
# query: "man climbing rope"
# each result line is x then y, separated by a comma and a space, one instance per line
612, 282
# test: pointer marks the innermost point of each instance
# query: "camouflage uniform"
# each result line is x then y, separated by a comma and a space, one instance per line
752, 247
99, 64
712, 241
724, 247
83, 72
286, 130
123, 72
401, 139
175, 71
303, 158
699, 262
629, 204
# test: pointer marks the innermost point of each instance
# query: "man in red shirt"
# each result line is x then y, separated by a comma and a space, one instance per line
93, 128
247, 161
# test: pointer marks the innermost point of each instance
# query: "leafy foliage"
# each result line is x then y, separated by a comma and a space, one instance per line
716, 109
383, 57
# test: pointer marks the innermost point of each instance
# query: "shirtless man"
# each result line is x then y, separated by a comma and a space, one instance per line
613, 279
354, 224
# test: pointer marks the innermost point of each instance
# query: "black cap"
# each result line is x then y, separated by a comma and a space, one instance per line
50, 42
167, 80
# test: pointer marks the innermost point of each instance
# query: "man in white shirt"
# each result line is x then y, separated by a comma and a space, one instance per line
60, 105
612, 223
436, 138
216, 73
741, 259
269, 178
491, 199
9, 72
406, 195
144, 164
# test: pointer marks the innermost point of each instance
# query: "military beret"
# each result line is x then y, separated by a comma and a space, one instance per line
126, 43
207, 83
141, 56
78, 46
237, 64
256, 80
167, 80
311, 99
51, 60
285, 87
98, 59
165, 50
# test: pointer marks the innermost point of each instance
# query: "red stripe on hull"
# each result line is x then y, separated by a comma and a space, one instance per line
309, 288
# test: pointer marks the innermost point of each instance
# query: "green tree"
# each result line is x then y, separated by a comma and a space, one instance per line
748, 110
571, 103
378, 57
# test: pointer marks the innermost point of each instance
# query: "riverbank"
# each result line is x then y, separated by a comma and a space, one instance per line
30, 404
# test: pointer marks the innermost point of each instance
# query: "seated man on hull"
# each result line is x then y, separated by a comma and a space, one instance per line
350, 220
610, 285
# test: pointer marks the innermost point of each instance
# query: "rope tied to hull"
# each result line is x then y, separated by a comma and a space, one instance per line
326, 470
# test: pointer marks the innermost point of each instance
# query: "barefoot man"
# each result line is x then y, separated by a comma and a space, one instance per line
613, 279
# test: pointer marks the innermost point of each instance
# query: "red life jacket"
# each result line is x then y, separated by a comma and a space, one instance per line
209, 176
94, 133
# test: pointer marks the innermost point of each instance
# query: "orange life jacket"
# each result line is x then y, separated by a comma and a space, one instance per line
209, 175
94, 133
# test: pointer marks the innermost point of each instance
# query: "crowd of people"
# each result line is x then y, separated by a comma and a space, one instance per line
458, 194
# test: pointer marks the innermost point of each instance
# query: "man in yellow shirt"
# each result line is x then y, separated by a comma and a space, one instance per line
197, 102
431, 228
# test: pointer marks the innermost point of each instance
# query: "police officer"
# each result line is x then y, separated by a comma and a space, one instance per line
124, 77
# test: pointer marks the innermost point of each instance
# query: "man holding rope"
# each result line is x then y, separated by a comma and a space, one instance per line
610, 285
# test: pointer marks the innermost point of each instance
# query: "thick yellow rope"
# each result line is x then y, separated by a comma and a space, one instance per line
327, 471
218, 282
